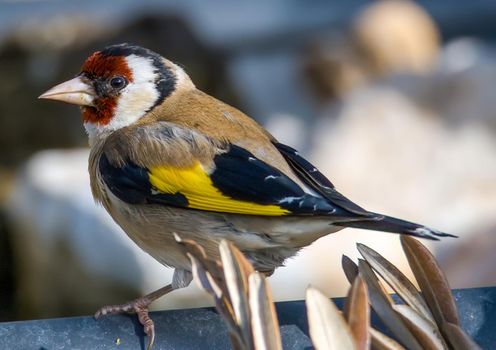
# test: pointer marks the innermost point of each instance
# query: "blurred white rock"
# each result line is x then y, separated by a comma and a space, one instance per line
395, 156
71, 256
397, 36
386, 37
420, 147
288, 128
386, 152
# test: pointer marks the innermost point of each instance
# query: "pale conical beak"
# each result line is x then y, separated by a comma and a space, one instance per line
74, 91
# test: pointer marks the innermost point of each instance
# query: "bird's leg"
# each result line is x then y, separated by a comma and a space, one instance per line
140, 307
181, 279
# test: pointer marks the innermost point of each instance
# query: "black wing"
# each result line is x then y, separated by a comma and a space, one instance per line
311, 176
238, 175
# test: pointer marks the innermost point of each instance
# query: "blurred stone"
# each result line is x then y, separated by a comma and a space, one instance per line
287, 129
397, 36
464, 53
334, 67
460, 90
420, 147
387, 37
395, 156
416, 166
70, 257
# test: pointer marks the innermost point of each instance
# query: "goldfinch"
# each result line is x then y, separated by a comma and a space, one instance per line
168, 159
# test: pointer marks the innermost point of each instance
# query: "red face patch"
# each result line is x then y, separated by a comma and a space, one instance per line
102, 113
107, 66
102, 68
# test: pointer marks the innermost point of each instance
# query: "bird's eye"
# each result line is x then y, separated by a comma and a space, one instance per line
118, 82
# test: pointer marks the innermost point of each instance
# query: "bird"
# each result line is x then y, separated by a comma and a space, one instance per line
167, 160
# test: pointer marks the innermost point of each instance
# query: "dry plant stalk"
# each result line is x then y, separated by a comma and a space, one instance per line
241, 295
428, 319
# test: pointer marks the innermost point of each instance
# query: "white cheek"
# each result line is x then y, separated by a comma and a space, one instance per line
139, 96
134, 100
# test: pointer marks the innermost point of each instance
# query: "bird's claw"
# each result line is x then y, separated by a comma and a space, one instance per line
138, 306
148, 326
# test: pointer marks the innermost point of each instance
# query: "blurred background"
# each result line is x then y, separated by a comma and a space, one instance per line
393, 100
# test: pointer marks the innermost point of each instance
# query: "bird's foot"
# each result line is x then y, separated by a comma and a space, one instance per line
131, 307
140, 307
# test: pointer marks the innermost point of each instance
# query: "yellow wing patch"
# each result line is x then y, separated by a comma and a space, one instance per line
195, 184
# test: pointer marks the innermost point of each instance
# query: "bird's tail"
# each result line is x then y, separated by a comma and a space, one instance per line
390, 224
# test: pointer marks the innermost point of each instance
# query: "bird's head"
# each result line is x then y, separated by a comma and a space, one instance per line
118, 85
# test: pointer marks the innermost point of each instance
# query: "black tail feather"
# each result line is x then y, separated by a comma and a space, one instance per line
390, 224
